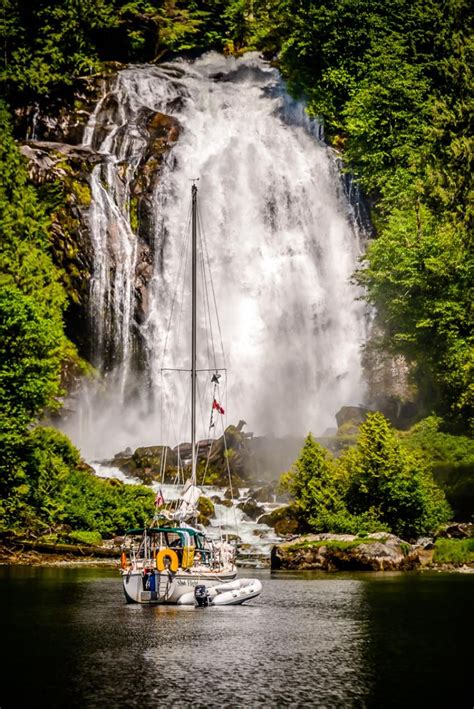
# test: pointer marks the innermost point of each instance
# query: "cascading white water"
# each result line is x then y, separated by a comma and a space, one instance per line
282, 242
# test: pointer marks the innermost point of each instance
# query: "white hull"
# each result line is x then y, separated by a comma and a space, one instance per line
165, 587
227, 594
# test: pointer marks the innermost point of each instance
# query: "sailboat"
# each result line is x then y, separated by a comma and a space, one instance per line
172, 560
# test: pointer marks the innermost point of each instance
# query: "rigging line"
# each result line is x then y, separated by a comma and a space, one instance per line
177, 435
201, 405
207, 307
184, 246
213, 293
183, 288
185, 417
211, 426
161, 427
226, 456
207, 320
204, 251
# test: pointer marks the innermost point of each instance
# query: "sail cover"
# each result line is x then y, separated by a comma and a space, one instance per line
188, 502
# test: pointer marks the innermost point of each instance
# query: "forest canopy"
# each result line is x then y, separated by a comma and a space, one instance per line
392, 83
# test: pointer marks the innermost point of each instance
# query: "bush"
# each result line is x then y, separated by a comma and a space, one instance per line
392, 482
54, 491
377, 485
451, 459
89, 538
454, 551
313, 483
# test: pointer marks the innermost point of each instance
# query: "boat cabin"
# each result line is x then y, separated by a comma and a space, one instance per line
160, 546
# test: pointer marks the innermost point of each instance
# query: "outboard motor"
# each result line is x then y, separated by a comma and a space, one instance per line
201, 594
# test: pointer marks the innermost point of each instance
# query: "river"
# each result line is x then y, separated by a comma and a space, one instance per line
310, 640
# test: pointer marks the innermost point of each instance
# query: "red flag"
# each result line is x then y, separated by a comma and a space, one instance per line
159, 499
217, 407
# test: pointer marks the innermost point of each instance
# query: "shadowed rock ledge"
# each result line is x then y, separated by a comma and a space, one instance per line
345, 552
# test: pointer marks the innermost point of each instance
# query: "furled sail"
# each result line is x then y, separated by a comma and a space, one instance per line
188, 502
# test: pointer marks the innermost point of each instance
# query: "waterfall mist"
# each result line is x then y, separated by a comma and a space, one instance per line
282, 241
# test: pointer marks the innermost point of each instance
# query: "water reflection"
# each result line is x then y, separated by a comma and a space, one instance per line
309, 641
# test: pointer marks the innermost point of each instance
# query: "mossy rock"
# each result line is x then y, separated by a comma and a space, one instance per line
284, 520
206, 510
82, 192
206, 506
251, 508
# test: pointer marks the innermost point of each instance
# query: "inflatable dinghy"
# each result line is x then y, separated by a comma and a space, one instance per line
225, 594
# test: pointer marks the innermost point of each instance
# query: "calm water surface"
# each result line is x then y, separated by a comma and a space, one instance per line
69, 640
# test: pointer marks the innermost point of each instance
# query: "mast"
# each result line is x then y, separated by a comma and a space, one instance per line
193, 333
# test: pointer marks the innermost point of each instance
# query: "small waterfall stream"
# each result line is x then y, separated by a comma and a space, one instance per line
282, 238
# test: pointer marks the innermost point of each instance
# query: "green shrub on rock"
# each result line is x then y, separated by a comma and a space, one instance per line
392, 482
88, 538
377, 485
312, 483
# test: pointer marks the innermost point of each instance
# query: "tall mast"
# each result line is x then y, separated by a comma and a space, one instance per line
193, 333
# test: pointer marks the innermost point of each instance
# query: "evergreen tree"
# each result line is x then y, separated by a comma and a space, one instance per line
392, 482
312, 483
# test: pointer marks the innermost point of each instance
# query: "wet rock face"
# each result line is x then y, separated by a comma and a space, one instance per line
64, 170
251, 509
351, 414
54, 137
284, 520
62, 119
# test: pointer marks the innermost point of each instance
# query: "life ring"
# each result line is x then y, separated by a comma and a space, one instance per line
167, 554
123, 560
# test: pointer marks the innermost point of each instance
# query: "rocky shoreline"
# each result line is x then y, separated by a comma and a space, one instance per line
312, 552
344, 552
32, 553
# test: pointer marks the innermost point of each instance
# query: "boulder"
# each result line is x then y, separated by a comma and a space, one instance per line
351, 414
269, 493
284, 520
206, 510
251, 509
458, 530
338, 552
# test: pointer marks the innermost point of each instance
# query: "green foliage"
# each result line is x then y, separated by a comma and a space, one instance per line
52, 490
451, 459
89, 538
41, 485
90, 503
454, 551
394, 483
30, 358
344, 522
313, 484
440, 449
377, 485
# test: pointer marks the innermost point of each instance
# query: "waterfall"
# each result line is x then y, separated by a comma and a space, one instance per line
283, 242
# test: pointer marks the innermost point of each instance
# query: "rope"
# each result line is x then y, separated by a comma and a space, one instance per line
182, 260
208, 261
229, 475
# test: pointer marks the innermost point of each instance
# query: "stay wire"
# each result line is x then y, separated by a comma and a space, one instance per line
207, 307
226, 456
206, 253
182, 262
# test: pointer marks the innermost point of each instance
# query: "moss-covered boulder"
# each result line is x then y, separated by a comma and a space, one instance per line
251, 509
284, 520
206, 510
345, 552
